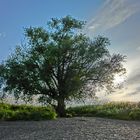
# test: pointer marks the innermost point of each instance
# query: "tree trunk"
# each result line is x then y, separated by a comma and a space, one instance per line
61, 108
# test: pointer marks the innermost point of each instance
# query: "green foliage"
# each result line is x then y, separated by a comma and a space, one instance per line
115, 110
135, 114
24, 112
59, 64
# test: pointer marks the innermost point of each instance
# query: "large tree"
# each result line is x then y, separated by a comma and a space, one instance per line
59, 64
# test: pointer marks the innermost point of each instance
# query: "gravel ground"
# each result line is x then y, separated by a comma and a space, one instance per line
78, 128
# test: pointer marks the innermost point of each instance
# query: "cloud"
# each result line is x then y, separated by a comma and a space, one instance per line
134, 79
132, 93
113, 13
131, 89
133, 84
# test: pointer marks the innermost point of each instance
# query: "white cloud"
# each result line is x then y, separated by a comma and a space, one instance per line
131, 90
112, 13
131, 87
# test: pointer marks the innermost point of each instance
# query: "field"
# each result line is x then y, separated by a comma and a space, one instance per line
113, 110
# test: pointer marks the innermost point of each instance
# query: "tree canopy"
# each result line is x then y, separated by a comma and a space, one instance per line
59, 64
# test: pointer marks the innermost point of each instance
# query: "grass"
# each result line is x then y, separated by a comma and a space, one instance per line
25, 112
114, 110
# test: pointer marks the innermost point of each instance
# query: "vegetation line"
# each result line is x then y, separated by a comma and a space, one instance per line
113, 110
25, 112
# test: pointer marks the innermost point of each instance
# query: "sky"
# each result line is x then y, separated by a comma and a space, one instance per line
118, 20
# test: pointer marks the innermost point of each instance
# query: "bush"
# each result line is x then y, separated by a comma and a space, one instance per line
135, 114
6, 114
4, 106
24, 112
114, 110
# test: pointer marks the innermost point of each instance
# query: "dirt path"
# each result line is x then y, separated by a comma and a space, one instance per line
80, 128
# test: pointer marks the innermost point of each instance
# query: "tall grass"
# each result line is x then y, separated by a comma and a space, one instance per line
115, 110
25, 112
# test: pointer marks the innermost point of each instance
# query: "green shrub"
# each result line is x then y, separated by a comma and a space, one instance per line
22, 115
6, 114
115, 110
135, 114
4, 106
24, 112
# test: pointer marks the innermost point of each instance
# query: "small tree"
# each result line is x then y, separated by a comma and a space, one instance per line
60, 64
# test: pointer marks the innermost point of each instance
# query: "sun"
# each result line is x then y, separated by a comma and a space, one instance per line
119, 79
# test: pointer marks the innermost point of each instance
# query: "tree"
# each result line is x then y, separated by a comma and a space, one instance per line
60, 64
